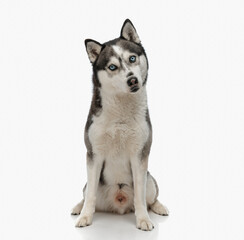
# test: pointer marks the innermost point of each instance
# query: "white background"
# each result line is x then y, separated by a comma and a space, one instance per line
196, 101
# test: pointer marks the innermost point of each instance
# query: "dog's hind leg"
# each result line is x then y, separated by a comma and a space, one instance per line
152, 195
77, 209
159, 208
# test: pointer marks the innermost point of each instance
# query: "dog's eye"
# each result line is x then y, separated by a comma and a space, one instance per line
132, 59
112, 67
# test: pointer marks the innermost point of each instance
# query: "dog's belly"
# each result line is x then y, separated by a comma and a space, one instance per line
116, 149
113, 143
117, 170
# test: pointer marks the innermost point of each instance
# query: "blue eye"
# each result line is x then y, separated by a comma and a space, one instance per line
112, 67
132, 59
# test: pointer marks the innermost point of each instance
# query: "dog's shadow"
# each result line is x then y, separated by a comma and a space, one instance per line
112, 226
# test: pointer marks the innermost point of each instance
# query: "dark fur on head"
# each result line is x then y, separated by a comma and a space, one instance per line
105, 50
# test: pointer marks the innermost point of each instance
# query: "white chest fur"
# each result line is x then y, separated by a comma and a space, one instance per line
118, 133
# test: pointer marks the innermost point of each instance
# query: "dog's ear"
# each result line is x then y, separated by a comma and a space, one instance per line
128, 32
93, 49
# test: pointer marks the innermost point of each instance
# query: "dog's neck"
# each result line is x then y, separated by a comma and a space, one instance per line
122, 106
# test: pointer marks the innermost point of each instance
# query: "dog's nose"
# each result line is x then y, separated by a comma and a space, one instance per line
132, 81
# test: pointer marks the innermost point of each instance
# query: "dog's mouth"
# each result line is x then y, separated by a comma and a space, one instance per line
133, 84
134, 89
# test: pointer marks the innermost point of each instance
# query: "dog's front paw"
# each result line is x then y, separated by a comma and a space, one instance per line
144, 224
84, 221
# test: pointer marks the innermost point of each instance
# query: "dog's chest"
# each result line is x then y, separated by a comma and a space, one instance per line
113, 136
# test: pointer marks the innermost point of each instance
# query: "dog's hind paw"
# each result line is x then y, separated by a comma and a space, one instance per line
77, 209
159, 209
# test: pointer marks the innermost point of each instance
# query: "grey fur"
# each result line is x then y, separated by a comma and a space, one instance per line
95, 109
147, 147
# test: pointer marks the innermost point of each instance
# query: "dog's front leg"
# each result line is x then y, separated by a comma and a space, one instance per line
139, 171
94, 165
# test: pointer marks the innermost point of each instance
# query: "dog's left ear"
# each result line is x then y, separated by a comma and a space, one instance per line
129, 33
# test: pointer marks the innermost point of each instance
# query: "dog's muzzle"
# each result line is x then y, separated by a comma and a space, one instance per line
132, 82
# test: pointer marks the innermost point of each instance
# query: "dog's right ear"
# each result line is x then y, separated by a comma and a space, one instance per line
93, 49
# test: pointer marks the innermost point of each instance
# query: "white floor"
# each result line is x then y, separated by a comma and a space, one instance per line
196, 102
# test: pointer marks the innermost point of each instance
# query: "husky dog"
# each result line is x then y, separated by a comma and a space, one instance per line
118, 133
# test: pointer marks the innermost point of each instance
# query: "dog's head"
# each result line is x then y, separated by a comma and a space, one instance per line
120, 65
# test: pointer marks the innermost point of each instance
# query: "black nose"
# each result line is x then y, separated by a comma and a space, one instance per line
132, 81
